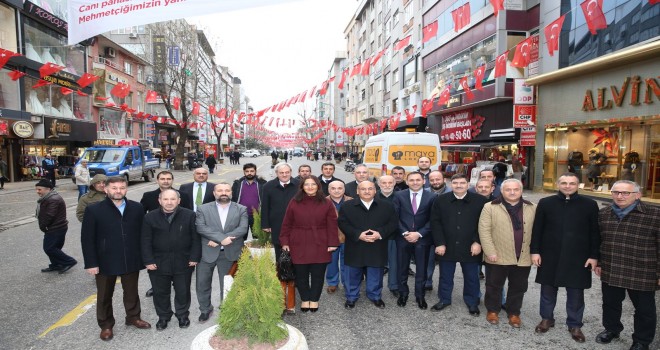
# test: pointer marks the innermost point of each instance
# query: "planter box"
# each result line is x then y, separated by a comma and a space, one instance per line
296, 340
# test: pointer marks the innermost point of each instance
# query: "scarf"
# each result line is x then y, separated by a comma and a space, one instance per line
515, 212
621, 213
42, 199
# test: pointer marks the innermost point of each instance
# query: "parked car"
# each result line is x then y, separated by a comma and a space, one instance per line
250, 153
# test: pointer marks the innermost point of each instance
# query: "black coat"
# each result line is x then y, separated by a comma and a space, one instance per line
455, 224
566, 234
350, 189
150, 200
171, 246
355, 218
274, 200
186, 190
324, 185
111, 241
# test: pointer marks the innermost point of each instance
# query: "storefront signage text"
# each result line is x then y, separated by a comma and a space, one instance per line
524, 116
618, 95
61, 82
528, 136
23, 129
104, 143
47, 17
457, 126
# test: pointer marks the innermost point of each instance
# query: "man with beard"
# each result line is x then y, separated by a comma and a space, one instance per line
386, 193
303, 172
424, 164
485, 188
110, 240
438, 187
327, 176
170, 250
222, 225
488, 175
399, 174
246, 191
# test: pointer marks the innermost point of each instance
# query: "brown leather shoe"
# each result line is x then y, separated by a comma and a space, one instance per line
544, 326
106, 334
492, 317
576, 334
138, 323
331, 289
514, 321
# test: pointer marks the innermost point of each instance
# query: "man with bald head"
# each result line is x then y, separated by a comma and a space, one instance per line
171, 249
336, 266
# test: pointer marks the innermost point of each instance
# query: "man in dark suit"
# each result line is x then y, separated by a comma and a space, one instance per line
221, 224
170, 250
149, 199
327, 176
110, 240
367, 223
275, 198
361, 173
413, 208
199, 191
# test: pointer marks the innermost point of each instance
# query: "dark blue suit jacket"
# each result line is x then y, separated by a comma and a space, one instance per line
419, 222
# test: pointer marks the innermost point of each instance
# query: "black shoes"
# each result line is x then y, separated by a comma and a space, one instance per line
395, 293
349, 304
428, 288
439, 306
386, 270
67, 268
161, 324
204, 316
474, 310
379, 303
421, 303
150, 292
605, 337
639, 346
51, 269
402, 300
184, 322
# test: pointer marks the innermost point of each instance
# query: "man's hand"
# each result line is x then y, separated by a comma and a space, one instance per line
597, 271
591, 262
376, 235
192, 263
366, 236
227, 241
212, 244
440, 250
92, 271
285, 247
412, 237
536, 259
492, 258
475, 248
332, 249
266, 230
152, 267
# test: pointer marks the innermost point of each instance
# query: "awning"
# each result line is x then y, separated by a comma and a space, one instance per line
473, 147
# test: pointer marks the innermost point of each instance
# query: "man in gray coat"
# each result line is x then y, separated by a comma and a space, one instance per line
222, 225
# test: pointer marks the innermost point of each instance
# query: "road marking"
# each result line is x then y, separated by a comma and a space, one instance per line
73, 315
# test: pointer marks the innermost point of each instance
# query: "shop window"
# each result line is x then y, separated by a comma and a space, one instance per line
49, 100
8, 91
7, 28
112, 124
56, 7
45, 45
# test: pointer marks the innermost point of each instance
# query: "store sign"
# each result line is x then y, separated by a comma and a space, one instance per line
524, 116
339, 139
516, 5
528, 136
69, 130
457, 126
23, 129
104, 143
408, 155
523, 94
373, 154
47, 17
455, 101
65, 79
616, 96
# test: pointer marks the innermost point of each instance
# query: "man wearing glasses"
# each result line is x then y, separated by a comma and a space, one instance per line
629, 262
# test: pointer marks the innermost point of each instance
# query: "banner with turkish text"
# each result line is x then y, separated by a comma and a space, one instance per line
457, 126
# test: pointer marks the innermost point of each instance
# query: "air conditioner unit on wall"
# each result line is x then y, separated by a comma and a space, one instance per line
133, 35
414, 88
110, 52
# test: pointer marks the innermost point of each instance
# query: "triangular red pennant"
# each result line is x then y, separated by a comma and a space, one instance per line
86, 79
5, 55
65, 91
551, 32
49, 68
498, 5
41, 83
429, 31
15, 75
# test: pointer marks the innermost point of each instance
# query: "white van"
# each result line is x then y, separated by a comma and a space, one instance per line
383, 152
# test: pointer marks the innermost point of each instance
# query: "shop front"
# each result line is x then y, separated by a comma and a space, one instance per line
602, 122
12, 133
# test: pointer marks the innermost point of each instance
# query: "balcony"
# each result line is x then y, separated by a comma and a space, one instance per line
107, 62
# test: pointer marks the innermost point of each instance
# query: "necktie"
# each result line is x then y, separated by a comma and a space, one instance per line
414, 203
198, 200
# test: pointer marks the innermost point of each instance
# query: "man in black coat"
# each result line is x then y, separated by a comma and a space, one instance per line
454, 223
110, 240
361, 173
275, 198
327, 176
171, 248
149, 199
565, 247
247, 190
51, 215
368, 224
192, 190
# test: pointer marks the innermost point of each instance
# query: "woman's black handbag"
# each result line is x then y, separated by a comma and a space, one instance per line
285, 270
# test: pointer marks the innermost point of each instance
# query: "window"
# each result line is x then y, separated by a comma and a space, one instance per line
128, 68
49, 100
386, 82
44, 45
408, 12
140, 74
395, 105
388, 28
9, 91
7, 28
395, 77
409, 73
395, 17
363, 94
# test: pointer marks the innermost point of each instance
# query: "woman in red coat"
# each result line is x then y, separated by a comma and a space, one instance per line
309, 232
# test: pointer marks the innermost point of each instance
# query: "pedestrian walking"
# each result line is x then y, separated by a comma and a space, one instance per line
51, 215
82, 178
4, 172
49, 166
211, 162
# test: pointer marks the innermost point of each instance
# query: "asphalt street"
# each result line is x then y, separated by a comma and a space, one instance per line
52, 311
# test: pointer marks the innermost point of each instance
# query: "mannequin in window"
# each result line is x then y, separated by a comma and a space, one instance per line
77, 112
31, 53
65, 110
46, 56
58, 59
630, 163
596, 165
575, 163
35, 104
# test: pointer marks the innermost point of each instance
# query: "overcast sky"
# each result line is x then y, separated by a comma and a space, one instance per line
281, 50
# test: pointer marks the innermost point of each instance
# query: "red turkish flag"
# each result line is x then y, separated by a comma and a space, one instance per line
65, 91
152, 97
402, 43
41, 83
394, 122
120, 90
427, 106
377, 57
461, 17
176, 103
15, 75
498, 5
5, 55
429, 31
466, 88
593, 13
212, 110
523, 53
356, 69
552, 32
479, 77
500, 64
195, 109
344, 75
365, 66
311, 93
49, 68
303, 96
444, 96
86, 79
653, 2
80, 93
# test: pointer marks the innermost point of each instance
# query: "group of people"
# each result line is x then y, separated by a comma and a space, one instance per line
351, 232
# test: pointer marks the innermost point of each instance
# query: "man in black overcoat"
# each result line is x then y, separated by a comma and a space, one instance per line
275, 198
149, 200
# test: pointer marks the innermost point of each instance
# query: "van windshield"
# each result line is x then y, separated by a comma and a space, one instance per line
104, 155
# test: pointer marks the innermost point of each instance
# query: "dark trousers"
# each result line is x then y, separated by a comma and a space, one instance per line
496, 276
204, 280
470, 282
645, 318
404, 251
50, 175
574, 304
250, 224
278, 252
105, 286
306, 272
53, 243
374, 281
162, 288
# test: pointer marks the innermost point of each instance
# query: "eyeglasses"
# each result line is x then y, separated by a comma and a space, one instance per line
623, 193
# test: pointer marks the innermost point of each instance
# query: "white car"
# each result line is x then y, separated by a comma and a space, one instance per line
250, 153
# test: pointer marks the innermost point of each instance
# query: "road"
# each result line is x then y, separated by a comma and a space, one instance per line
51, 311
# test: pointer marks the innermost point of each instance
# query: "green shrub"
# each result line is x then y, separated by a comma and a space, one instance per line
253, 306
261, 237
